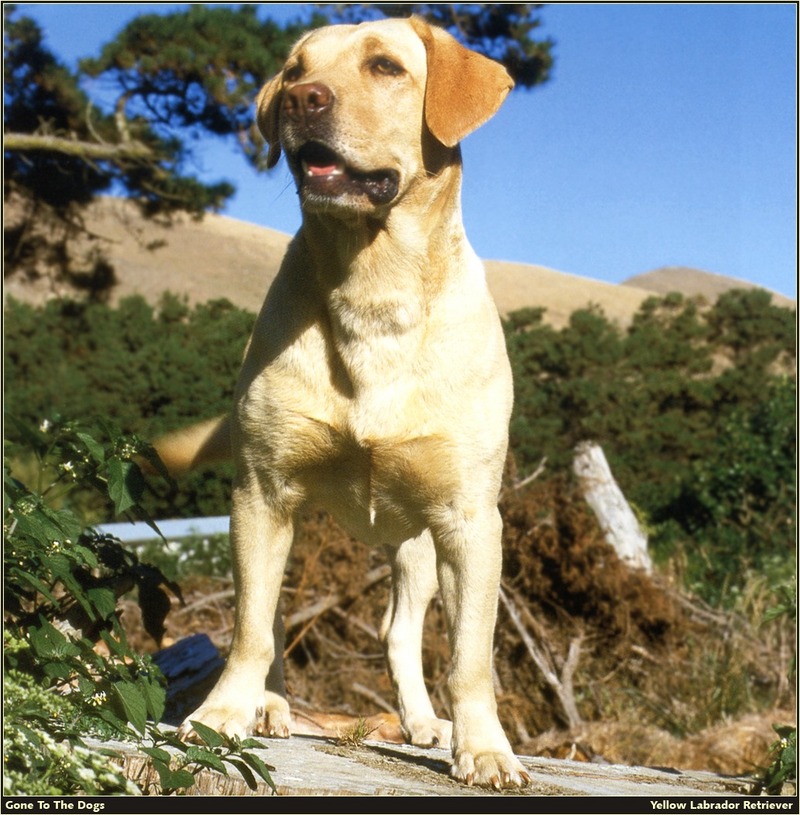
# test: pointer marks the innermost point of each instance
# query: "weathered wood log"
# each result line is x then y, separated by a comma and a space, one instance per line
620, 526
309, 766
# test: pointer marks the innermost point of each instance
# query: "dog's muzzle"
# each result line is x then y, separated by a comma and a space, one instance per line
323, 176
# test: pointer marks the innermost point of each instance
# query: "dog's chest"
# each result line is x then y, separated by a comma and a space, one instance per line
382, 489
378, 457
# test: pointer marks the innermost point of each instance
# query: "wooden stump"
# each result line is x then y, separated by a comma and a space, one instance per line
617, 520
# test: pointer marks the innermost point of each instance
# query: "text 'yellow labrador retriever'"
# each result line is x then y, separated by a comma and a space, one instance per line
376, 382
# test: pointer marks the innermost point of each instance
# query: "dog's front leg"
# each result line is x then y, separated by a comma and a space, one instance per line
261, 537
413, 585
468, 548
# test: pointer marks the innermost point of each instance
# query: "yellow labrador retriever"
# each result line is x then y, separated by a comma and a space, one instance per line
376, 382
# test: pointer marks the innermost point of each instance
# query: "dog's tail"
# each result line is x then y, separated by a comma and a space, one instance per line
207, 442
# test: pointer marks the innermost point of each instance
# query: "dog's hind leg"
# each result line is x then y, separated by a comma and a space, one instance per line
413, 585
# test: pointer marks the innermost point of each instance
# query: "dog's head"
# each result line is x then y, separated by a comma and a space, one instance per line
361, 111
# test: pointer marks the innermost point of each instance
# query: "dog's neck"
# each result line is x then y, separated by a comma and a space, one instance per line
379, 281
383, 271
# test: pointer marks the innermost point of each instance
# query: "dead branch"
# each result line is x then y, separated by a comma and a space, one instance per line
308, 616
518, 485
373, 697
204, 602
321, 606
368, 629
562, 686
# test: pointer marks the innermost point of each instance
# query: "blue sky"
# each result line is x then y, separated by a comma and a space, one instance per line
667, 136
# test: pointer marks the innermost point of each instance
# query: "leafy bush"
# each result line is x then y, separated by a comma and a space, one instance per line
695, 412
145, 370
61, 584
44, 757
783, 769
188, 557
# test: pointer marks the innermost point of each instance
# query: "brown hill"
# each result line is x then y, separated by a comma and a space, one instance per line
222, 257
695, 282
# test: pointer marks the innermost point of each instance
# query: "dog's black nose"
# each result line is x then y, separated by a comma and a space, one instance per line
307, 101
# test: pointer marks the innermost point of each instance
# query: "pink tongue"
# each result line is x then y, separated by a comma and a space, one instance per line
328, 169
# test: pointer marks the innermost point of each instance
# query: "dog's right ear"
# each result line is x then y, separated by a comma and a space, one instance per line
268, 107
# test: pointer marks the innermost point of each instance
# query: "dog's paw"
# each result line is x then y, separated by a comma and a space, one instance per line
275, 718
429, 732
231, 721
498, 770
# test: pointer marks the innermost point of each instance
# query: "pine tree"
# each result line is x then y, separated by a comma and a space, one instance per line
176, 78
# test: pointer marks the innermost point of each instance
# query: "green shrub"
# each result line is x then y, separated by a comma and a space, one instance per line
695, 412
61, 585
145, 370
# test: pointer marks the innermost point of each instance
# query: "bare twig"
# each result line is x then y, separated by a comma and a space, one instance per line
308, 616
321, 606
373, 697
368, 629
518, 485
204, 601
562, 686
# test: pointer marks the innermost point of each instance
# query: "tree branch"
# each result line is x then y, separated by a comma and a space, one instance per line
31, 142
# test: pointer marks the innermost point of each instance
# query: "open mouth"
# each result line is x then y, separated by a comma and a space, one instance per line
325, 174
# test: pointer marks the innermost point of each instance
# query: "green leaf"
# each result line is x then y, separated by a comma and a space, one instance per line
50, 644
94, 447
264, 770
33, 581
208, 734
125, 484
62, 568
171, 738
120, 725
133, 703
205, 758
245, 771
172, 779
104, 600
157, 754
85, 686
58, 670
84, 555
155, 696
114, 645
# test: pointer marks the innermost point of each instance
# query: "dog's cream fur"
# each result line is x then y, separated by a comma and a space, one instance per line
376, 382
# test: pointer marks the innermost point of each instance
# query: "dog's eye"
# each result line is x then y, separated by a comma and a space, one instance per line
293, 72
386, 67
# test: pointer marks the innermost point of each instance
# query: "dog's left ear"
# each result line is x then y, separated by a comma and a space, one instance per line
267, 110
464, 89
